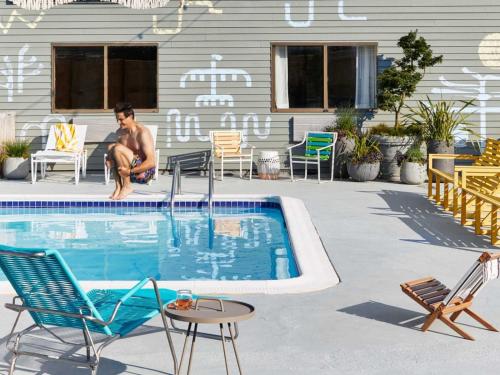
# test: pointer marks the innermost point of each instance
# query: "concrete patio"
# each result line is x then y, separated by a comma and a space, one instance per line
377, 235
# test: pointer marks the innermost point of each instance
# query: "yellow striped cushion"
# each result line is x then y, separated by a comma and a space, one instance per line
65, 135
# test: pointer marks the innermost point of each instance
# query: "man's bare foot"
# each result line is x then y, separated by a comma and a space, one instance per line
116, 193
126, 190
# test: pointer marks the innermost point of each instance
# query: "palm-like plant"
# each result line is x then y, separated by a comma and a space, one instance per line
440, 120
366, 150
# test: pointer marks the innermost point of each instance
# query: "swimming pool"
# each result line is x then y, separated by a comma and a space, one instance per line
244, 247
130, 243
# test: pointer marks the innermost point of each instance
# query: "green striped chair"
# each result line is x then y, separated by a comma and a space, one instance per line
48, 290
319, 146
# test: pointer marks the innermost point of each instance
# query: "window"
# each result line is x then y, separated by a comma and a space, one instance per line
97, 77
319, 77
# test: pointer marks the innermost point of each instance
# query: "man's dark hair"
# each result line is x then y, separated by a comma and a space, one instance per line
125, 108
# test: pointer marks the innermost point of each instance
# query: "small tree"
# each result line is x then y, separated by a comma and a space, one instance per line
399, 82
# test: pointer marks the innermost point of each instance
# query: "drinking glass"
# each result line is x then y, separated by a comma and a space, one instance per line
184, 299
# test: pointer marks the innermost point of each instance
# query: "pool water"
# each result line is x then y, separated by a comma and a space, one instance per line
129, 243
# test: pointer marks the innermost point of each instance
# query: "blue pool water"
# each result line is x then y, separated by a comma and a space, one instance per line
129, 243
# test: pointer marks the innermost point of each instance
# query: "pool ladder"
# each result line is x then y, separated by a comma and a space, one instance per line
176, 185
210, 187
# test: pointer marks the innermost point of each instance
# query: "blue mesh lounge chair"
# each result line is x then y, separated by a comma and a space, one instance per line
319, 146
49, 291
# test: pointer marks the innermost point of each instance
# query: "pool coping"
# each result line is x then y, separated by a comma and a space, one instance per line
316, 270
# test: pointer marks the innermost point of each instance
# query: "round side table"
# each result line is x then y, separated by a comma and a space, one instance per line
212, 311
268, 165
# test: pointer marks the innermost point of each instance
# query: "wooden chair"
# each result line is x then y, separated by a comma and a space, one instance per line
485, 170
227, 145
440, 301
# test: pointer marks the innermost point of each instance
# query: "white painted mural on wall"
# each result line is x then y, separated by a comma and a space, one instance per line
215, 74
180, 16
184, 127
16, 15
15, 73
489, 55
310, 15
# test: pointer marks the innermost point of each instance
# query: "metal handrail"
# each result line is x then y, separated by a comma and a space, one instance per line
210, 187
176, 184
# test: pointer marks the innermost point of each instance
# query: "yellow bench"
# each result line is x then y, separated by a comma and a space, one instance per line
482, 176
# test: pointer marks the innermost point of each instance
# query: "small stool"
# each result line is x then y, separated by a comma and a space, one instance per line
268, 165
212, 311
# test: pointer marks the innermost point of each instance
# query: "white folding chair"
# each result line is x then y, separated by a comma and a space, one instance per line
154, 133
319, 146
51, 155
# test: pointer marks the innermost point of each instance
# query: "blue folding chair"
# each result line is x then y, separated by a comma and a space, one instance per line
49, 291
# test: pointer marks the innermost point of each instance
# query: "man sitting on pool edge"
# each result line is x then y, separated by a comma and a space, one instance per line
133, 156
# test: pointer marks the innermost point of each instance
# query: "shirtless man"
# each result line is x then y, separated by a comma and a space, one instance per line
133, 155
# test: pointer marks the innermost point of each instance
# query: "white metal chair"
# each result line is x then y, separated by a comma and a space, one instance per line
50, 155
227, 146
319, 146
154, 133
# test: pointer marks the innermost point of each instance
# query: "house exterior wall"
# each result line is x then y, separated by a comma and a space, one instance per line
240, 34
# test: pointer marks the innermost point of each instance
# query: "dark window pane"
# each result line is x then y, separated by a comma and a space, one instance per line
132, 74
341, 76
79, 73
305, 77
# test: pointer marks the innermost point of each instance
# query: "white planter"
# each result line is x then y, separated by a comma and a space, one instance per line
364, 171
16, 168
413, 173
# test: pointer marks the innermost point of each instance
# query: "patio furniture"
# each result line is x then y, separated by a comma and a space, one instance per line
154, 133
227, 145
49, 291
485, 173
212, 311
77, 157
440, 301
319, 146
485, 214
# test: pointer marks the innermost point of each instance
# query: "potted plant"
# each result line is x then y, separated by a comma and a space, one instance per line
364, 160
413, 166
346, 126
396, 84
439, 121
15, 159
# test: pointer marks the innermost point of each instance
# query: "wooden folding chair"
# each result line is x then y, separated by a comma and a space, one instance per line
440, 301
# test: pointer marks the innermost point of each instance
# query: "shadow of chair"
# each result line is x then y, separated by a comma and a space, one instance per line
191, 163
429, 222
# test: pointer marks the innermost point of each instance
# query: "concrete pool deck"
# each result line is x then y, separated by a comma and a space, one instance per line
377, 236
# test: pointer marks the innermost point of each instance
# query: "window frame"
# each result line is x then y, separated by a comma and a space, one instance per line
325, 46
105, 46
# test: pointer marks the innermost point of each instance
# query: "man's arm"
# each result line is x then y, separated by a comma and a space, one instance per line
146, 144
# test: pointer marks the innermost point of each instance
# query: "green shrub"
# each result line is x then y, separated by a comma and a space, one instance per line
366, 150
15, 149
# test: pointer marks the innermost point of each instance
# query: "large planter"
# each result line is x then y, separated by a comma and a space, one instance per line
16, 168
440, 147
364, 171
413, 173
389, 146
343, 148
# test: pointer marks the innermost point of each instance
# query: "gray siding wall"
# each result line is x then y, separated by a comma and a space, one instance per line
242, 32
